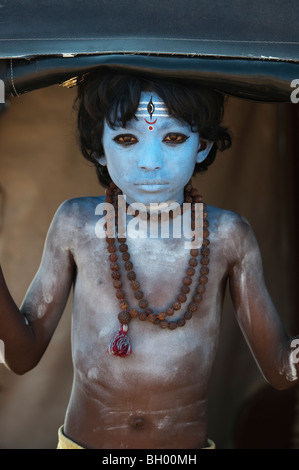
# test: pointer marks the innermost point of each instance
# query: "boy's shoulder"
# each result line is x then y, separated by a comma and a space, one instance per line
76, 212
232, 233
227, 224
77, 206
225, 216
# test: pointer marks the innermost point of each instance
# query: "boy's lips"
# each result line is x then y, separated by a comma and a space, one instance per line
151, 183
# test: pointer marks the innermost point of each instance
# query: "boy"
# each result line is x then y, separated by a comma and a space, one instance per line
146, 311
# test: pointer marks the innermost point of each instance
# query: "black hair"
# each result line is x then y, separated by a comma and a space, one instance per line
114, 97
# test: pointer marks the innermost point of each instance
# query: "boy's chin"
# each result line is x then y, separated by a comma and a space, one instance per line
149, 199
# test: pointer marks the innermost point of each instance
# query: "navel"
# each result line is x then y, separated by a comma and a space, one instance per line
137, 423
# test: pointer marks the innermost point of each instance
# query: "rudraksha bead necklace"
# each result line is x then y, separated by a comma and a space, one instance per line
120, 344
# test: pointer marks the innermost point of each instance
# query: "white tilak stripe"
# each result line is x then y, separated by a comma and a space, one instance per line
159, 109
153, 116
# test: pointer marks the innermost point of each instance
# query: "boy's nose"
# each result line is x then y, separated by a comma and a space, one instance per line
150, 159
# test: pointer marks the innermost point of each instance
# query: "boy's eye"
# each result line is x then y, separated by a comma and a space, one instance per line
125, 139
175, 138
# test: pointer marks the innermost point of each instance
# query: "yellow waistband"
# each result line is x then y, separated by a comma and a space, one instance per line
66, 443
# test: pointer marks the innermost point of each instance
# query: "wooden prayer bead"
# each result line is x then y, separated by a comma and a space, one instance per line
205, 260
185, 289
117, 284
182, 298
163, 324
169, 311
187, 281
114, 266
192, 307
143, 303
121, 240
120, 294
135, 285
203, 280
125, 256
115, 275
205, 233
123, 304
123, 247
201, 289
134, 312
204, 270
162, 315
109, 192
124, 317
205, 251
172, 325
131, 276
128, 265
112, 248
190, 272
142, 316
181, 322
177, 306
188, 315
138, 295
205, 242
193, 262
113, 257
152, 317
194, 252
197, 298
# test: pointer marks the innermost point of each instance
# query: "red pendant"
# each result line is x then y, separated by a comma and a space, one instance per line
120, 343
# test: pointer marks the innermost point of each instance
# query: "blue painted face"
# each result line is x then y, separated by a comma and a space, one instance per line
153, 157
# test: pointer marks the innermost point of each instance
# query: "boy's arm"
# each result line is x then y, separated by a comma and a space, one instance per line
26, 332
256, 314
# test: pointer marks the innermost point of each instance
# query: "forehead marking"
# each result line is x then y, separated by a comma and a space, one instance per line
156, 108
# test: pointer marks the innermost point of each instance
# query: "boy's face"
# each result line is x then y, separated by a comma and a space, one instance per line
153, 157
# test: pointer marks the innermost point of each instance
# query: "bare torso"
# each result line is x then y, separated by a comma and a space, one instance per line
157, 396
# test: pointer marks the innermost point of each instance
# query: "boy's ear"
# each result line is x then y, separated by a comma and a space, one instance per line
204, 150
101, 159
